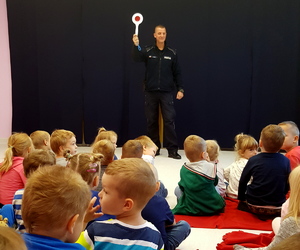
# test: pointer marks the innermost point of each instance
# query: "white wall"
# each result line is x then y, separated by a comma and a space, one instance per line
5, 76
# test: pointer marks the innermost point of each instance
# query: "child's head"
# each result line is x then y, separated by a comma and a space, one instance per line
108, 135
37, 158
294, 204
54, 203
245, 146
88, 166
106, 148
40, 139
213, 149
19, 144
128, 184
10, 239
271, 138
291, 135
149, 147
62, 140
132, 149
195, 148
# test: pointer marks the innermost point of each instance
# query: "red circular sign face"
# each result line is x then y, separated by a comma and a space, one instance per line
137, 18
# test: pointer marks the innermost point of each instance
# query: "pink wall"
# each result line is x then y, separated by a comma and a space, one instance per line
5, 76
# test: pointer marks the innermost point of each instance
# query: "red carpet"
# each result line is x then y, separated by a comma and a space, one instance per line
231, 218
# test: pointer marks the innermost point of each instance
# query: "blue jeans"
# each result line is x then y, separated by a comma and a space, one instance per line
177, 233
164, 100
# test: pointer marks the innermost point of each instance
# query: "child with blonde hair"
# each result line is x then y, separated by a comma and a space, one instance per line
107, 149
245, 147
10, 239
108, 135
213, 150
149, 152
290, 223
35, 159
197, 195
12, 177
128, 184
40, 139
68, 195
269, 171
291, 141
61, 141
88, 165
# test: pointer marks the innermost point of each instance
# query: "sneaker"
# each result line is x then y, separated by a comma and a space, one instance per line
174, 155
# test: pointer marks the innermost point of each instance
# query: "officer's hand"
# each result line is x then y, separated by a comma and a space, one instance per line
135, 40
179, 95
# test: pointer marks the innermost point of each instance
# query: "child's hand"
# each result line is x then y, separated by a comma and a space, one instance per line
91, 211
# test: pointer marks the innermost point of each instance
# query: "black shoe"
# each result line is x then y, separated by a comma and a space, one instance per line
174, 155
157, 152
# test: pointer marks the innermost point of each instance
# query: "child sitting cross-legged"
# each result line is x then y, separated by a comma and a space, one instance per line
128, 184
196, 191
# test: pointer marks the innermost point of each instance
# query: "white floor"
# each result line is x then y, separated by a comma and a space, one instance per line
168, 170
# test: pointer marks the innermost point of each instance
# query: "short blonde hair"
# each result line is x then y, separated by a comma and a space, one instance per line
60, 137
194, 145
105, 134
37, 158
146, 141
52, 196
18, 144
136, 177
213, 149
272, 138
10, 239
106, 148
294, 205
87, 165
132, 149
244, 142
293, 127
38, 137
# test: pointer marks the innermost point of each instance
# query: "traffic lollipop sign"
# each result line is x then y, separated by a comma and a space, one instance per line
137, 19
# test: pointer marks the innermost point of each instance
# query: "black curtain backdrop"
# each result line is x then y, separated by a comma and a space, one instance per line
72, 66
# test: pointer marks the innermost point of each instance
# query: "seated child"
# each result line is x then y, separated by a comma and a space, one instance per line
110, 135
158, 212
88, 166
269, 171
245, 147
10, 239
107, 149
197, 182
68, 195
40, 139
290, 223
290, 144
149, 148
12, 176
149, 152
132, 149
61, 141
34, 160
128, 185
213, 150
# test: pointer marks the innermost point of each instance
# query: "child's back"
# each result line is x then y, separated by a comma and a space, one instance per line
197, 182
54, 204
269, 171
